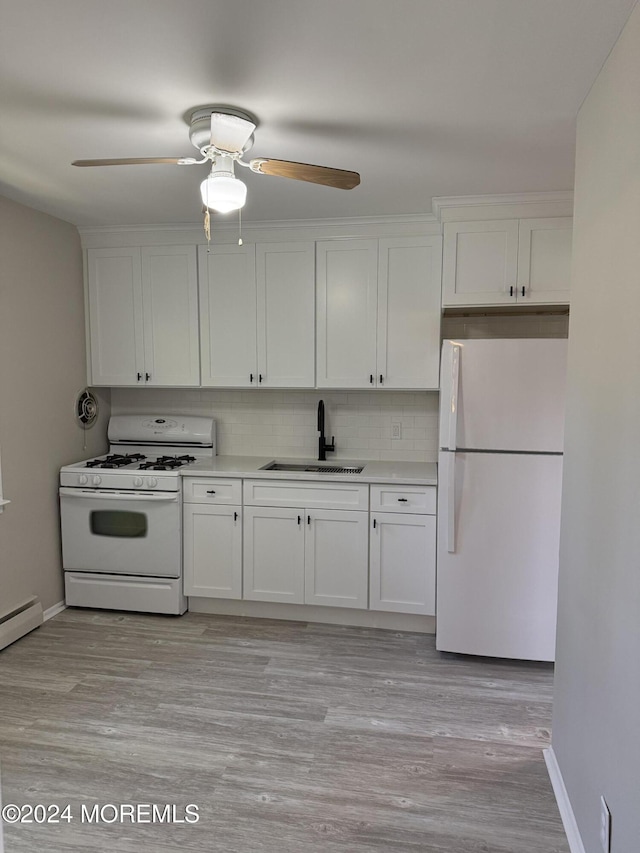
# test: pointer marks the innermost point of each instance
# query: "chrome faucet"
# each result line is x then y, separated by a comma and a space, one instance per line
323, 446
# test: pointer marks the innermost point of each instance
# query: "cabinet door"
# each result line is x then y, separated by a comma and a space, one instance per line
273, 554
286, 314
170, 303
544, 260
115, 316
212, 551
228, 316
480, 262
403, 563
409, 309
336, 558
347, 273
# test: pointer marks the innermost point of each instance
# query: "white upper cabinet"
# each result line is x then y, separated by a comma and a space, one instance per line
286, 314
143, 322
257, 315
507, 261
378, 313
408, 341
339, 313
347, 294
228, 312
480, 262
170, 303
115, 316
544, 260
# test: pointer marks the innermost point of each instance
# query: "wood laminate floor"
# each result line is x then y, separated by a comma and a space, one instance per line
290, 737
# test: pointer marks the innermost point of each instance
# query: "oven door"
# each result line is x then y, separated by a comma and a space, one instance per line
132, 533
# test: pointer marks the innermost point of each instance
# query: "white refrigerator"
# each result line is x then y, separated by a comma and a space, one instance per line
499, 489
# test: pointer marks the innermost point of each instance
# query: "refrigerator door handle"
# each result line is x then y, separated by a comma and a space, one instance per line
451, 503
453, 401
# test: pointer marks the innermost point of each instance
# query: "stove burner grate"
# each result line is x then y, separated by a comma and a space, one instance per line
166, 463
115, 460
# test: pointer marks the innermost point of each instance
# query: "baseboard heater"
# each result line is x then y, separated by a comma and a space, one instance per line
18, 621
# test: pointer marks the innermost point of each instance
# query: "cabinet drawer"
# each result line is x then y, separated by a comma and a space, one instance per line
415, 499
309, 495
211, 490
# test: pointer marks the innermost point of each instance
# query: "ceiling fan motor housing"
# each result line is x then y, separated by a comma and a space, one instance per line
200, 125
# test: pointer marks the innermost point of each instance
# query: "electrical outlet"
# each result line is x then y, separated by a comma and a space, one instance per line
396, 430
605, 826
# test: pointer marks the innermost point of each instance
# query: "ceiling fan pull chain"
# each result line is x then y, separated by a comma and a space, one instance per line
239, 226
207, 228
207, 223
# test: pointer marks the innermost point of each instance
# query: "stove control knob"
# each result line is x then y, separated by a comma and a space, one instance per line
137, 482
152, 482
83, 479
96, 479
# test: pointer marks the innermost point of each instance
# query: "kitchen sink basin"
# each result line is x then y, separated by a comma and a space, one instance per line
312, 468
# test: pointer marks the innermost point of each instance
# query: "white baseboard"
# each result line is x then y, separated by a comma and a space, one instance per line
52, 611
20, 620
564, 804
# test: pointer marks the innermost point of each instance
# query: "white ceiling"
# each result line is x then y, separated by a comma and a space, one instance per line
422, 97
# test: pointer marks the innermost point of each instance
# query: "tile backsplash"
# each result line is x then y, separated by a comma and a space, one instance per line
258, 422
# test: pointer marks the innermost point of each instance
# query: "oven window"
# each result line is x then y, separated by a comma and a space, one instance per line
119, 523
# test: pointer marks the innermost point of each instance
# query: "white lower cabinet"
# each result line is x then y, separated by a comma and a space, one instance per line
306, 556
321, 551
306, 542
274, 554
402, 553
212, 550
335, 565
403, 563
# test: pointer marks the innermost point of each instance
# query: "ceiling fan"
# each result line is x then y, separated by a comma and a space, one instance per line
223, 135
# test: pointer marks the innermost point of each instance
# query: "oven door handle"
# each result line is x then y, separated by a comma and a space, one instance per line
66, 492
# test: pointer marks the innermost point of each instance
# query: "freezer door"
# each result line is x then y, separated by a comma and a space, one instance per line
503, 394
497, 567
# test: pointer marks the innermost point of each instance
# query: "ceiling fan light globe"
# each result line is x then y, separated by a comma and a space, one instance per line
223, 193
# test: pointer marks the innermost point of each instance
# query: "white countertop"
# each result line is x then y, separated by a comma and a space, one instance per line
409, 473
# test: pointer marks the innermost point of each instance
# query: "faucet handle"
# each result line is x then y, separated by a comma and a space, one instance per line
332, 446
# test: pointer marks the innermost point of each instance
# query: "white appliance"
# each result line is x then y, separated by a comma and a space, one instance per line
121, 514
499, 488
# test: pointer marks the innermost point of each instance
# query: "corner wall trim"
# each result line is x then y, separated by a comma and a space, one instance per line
564, 804
52, 611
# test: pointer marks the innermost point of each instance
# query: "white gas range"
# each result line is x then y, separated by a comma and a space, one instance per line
121, 514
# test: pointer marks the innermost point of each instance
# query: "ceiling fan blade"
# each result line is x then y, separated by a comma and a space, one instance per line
136, 161
339, 178
229, 132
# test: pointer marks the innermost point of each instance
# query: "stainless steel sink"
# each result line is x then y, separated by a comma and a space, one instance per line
313, 469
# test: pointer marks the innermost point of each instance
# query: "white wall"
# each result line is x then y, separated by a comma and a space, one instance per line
596, 723
42, 367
